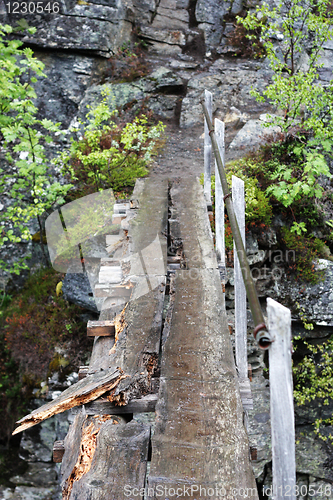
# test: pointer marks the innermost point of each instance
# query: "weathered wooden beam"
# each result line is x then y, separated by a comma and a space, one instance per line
281, 401
83, 372
101, 328
219, 203
208, 152
102, 406
58, 451
246, 395
84, 391
105, 460
238, 198
113, 291
199, 438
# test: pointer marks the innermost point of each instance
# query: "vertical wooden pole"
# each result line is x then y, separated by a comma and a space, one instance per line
282, 405
238, 198
219, 203
208, 151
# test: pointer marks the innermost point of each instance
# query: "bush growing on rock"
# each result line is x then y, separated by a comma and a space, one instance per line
110, 155
25, 175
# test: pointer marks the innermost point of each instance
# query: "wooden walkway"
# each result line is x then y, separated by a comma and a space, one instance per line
180, 357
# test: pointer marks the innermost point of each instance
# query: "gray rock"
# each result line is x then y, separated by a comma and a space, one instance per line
68, 76
169, 41
76, 288
316, 300
32, 493
38, 474
251, 136
259, 429
94, 28
318, 462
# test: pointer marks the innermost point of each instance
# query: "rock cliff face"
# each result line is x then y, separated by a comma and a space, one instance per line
75, 43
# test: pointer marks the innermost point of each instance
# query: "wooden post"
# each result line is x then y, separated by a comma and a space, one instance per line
219, 203
208, 152
282, 406
240, 292
58, 451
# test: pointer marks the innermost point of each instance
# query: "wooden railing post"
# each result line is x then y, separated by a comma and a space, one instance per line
282, 407
208, 152
238, 197
219, 203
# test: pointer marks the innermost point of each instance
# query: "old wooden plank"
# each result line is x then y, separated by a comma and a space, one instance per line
58, 451
208, 151
102, 406
193, 227
199, 437
282, 403
219, 203
87, 389
238, 198
118, 465
101, 328
114, 291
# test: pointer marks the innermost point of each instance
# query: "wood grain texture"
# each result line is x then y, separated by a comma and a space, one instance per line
219, 203
199, 437
102, 328
282, 403
208, 151
120, 460
193, 226
87, 389
238, 197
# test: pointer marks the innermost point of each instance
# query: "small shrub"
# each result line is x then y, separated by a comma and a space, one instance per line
314, 380
110, 155
127, 64
32, 325
247, 43
307, 251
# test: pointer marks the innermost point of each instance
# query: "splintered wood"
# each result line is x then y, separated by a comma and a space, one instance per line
87, 389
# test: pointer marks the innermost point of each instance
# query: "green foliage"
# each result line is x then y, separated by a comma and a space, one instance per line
27, 178
307, 251
293, 181
314, 380
109, 155
295, 90
35, 325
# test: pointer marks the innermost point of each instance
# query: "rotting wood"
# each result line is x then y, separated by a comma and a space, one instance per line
88, 442
87, 389
120, 460
101, 328
58, 451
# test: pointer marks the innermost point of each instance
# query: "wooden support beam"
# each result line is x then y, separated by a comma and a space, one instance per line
58, 451
246, 395
101, 328
113, 291
208, 152
219, 203
282, 403
83, 372
238, 197
102, 406
84, 391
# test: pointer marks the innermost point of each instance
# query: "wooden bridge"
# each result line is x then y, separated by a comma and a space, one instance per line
159, 412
